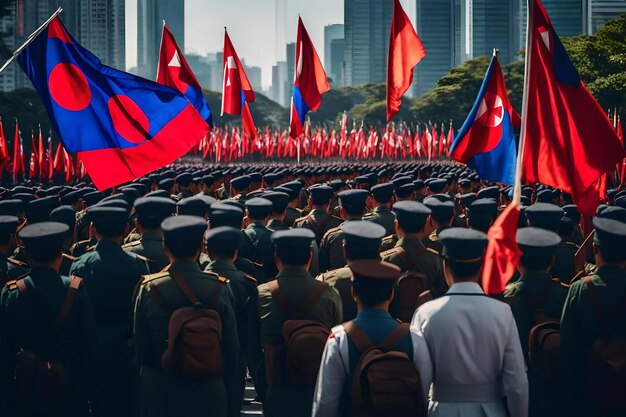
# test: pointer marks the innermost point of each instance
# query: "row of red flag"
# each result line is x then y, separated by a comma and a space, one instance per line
44, 162
426, 142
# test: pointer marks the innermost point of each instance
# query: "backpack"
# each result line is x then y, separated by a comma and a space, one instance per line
194, 334
412, 288
45, 381
606, 364
294, 357
544, 338
385, 381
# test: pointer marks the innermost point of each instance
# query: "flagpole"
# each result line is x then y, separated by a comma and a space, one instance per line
517, 190
30, 39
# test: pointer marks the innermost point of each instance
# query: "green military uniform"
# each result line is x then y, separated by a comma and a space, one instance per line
150, 246
66, 263
341, 280
292, 213
81, 247
263, 252
388, 242
110, 276
162, 395
383, 216
239, 197
432, 241
21, 328
222, 193
11, 269
133, 236
536, 296
245, 295
184, 194
319, 221
426, 260
275, 225
295, 284
565, 262
580, 327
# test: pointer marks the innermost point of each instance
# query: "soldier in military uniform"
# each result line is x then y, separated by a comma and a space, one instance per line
221, 245
381, 214
239, 188
10, 269
150, 212
319, 220
293, 255
259, 210
29, 310
361, 240
594, 310
66, 215
110, 276
352, 208
183, 186
441, 215
548, 216
163, 394
279, 206
410, 253
293, 212
536, 297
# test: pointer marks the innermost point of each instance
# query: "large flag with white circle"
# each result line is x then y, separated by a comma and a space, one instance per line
120, 125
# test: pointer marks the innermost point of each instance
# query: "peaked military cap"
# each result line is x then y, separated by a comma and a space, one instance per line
463, 245
363, 234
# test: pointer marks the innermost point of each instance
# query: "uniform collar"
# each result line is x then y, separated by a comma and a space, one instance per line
221, 264
382, 209
465, 288
108, 246
294, 271
185, 266
410, 241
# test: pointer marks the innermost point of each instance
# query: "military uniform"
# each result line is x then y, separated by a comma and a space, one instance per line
565, 263
11, 269
133, 236
427, 260
533, 293
295, 284
339, 279
260, 236
66, 263
150, 246
163, 395
275, 225
320, 224
291, 215
383, 216
388, 242
432, 241
331, 249
184, 194
110, 276
81, 247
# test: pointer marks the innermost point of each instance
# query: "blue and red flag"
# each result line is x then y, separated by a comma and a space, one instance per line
309, 81
121, 126
570, 141
236, 90
486, 141
174, 71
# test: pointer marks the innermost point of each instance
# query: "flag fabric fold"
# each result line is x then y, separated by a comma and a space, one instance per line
129, 126
309, 83
486, 141
570, 141
405, 52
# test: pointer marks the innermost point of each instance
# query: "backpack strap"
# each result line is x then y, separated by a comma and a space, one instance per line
184, 287
158, 297
72, 290
315, 295
360, 339
408, 260
395, 337
318, 228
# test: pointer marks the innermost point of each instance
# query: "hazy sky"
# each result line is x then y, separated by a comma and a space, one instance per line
252, 26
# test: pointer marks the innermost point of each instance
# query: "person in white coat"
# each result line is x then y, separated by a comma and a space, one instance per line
471, 339
372, 288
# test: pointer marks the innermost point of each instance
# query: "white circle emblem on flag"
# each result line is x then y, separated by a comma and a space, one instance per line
491, 111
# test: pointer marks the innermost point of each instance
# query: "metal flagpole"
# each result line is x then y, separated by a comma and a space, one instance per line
30, 39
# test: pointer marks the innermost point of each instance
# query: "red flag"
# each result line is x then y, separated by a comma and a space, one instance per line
68, 164
449, 140
502, 253
4, 151
18, 154
59, 160
42, 159
49, 157
570, 141
405, 51
33, 167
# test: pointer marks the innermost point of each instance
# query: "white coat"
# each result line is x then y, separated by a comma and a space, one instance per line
475, 352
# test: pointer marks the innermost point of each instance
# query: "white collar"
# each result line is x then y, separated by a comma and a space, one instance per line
465, 288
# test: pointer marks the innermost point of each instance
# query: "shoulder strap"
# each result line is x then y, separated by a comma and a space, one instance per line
315, 295
395, 337
308, 304
318, 228
408, 260
360, 339
72, 290
186, 290
158, 297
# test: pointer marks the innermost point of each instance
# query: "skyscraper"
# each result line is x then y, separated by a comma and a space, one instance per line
436, 23
337, 51
599, 11
150, 16
488, 24
331, 34
367, 24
